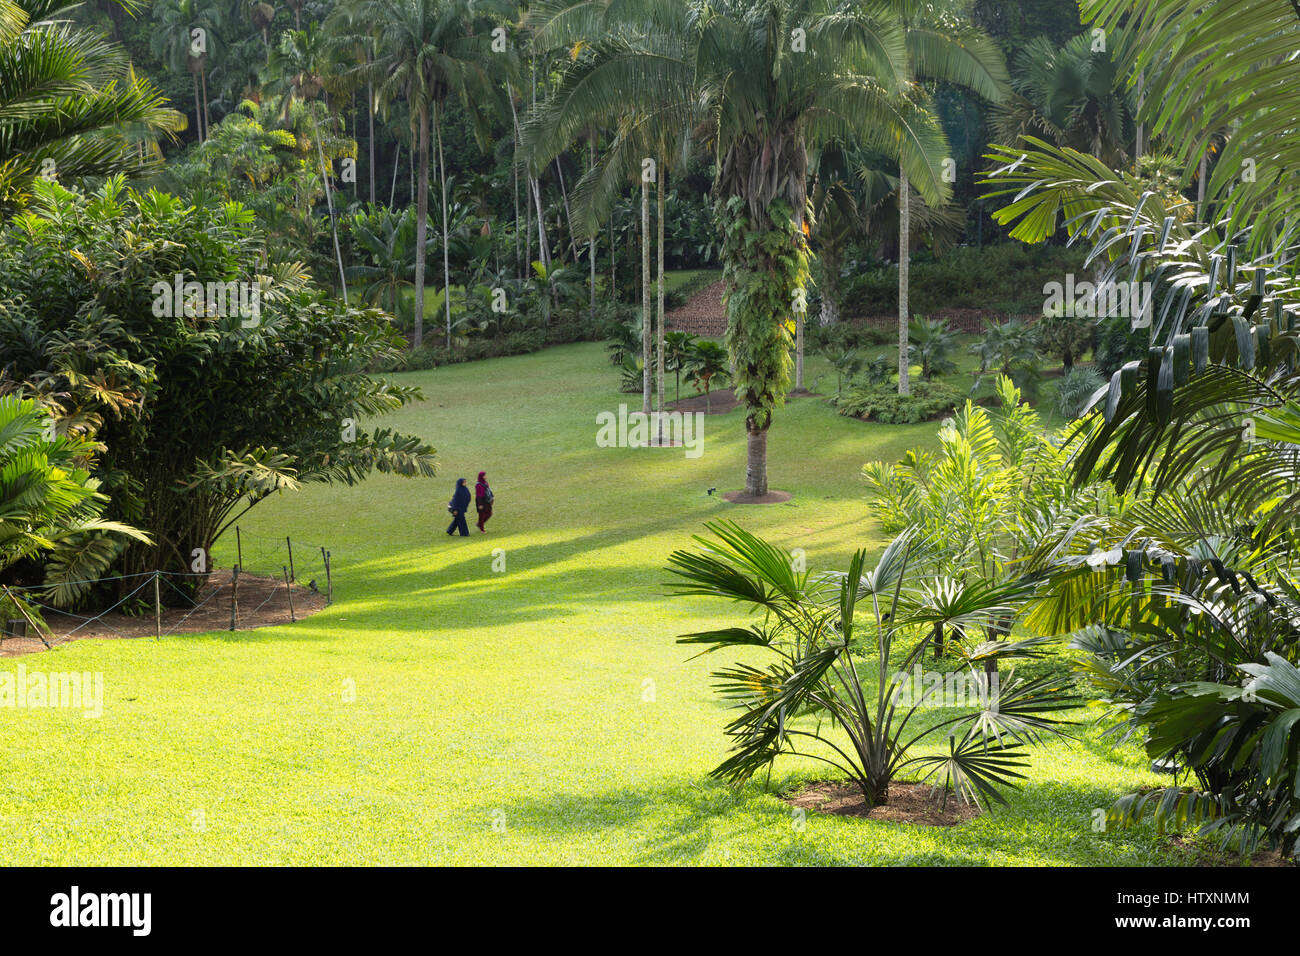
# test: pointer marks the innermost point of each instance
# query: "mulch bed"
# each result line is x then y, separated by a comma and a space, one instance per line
719, 403
917, 803
702, 314
262, 602
772, 497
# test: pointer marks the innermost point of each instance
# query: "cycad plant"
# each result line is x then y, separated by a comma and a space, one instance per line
842, 650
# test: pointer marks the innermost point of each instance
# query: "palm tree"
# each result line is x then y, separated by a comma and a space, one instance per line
942, 45
69, 104
762, 81
425, 52
301, 65
387, 241
707, 364
1204, 433
352, 39
188, 34
1072, 95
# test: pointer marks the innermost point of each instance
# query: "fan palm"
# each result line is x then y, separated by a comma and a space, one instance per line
1072, 96
824, 697
761, 82
69, 104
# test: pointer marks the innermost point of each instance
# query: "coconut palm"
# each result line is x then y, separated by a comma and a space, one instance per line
427, 51
762, 82
69, 104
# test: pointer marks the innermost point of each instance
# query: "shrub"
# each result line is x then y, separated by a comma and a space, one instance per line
882, 403
841, 337
931, 343
1075, 389
1007, 277
204, 406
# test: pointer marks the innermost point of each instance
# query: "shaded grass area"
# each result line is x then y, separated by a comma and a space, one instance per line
542, 714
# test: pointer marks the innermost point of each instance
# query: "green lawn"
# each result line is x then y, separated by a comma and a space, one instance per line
499, 718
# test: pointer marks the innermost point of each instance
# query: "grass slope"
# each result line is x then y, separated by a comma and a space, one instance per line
541, 715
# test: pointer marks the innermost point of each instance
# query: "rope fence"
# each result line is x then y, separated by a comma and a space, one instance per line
273, 581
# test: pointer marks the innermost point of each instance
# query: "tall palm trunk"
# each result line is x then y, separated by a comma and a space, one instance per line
207, 121
647, 322
329, 205
421, 225
755, 459
446, 256
370, 111
568, 213
659, 333
904, 262
198, 108
397, 164
591, 243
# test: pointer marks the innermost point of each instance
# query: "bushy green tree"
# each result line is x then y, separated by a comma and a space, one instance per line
204, 409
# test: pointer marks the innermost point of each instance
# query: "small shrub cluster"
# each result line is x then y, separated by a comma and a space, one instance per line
882, 403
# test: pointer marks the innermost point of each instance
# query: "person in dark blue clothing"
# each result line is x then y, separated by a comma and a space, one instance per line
458, 505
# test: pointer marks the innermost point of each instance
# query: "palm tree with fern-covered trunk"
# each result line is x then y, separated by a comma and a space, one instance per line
759, 83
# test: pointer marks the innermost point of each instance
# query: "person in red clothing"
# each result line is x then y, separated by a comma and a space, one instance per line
483, 500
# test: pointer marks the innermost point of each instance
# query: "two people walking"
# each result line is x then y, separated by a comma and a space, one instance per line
459, 505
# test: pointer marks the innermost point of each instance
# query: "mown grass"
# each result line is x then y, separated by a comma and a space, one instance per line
540, 715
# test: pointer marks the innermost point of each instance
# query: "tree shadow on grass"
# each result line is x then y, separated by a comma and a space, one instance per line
694, 824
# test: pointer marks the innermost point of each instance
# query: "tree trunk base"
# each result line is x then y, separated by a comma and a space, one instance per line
770, 497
